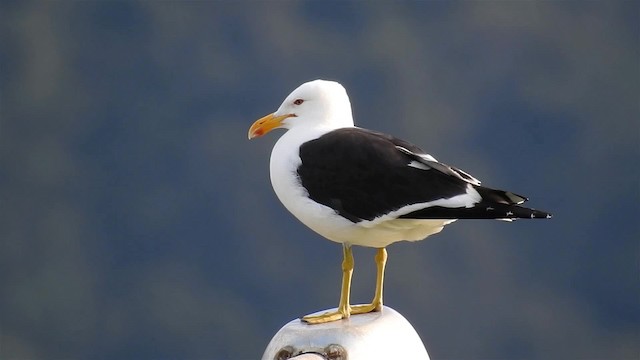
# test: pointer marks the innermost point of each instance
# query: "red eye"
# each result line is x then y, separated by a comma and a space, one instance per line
298, 101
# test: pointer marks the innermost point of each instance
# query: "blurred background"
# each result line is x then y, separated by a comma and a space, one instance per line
138, 222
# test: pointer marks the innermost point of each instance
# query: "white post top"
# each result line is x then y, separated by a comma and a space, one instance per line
371, 336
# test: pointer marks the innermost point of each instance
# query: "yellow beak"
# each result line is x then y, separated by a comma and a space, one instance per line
266, 124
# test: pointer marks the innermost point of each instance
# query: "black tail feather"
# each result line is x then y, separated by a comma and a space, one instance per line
482, 210
500, 196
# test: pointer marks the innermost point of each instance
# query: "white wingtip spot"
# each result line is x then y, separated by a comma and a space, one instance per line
418, 165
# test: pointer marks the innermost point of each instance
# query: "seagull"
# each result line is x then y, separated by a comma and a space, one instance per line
360, 187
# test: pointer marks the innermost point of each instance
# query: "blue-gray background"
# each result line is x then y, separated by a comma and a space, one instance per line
138, 222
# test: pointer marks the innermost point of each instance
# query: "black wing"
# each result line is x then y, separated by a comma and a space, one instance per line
364, 174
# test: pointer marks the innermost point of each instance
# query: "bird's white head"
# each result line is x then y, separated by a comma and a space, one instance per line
318, 103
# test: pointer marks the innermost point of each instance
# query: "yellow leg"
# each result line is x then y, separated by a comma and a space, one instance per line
344, 310
376, 304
